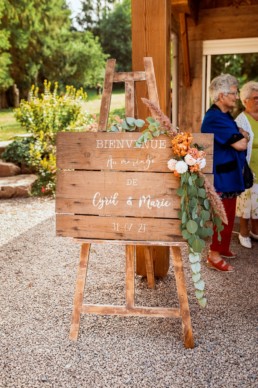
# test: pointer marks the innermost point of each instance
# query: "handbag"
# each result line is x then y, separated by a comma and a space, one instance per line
248, 176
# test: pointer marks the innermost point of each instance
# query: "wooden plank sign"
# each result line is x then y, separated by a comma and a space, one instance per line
108, 189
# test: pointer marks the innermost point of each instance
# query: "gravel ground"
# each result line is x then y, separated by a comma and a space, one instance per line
37, 280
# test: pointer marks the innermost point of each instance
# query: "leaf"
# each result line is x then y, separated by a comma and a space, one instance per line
192, 227
198, 244
206, 204
202, 193
199, 294
194, 258
114, 128
205, 214
124, 125
196, 277
180, 191
130, 121
185, 234
200, 182
184, 217
202, 302
200, 285
150, 120
139, 123
196, 267
190, 181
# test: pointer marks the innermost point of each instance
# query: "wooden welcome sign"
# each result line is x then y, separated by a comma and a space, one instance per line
108, 189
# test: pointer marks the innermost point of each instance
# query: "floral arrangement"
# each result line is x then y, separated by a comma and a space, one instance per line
201, 208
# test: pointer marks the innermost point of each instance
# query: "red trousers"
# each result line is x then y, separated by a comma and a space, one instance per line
223, 245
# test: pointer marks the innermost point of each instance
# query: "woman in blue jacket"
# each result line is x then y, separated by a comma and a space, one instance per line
230, 144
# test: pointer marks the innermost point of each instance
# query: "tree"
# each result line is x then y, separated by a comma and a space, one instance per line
38, 42
115, 35
93, 11
5, 57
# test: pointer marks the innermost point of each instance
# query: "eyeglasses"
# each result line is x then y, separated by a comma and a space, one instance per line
233, 93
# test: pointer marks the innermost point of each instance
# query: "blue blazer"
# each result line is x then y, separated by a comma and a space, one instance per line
228, 162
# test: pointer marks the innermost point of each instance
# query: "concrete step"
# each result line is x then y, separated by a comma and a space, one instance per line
16, 186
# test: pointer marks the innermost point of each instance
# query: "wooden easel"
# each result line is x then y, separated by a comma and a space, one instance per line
130, 309
65, 227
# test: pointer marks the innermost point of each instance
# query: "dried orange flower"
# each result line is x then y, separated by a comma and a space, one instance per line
181, 143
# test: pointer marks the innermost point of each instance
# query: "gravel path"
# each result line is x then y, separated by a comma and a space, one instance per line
37, 279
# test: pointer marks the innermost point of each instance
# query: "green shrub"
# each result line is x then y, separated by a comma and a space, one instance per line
43, 116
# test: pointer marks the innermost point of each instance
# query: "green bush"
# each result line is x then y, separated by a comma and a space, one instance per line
43, 116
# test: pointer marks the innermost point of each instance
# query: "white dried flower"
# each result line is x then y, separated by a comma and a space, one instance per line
202, 163
190, 160
171, 164
181, 167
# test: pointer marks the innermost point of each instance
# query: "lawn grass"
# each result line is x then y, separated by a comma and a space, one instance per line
9, 127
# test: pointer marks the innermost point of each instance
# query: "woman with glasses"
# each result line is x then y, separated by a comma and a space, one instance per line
247, 203
230, 144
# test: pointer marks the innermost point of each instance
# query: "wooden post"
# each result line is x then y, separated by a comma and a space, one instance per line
151, 38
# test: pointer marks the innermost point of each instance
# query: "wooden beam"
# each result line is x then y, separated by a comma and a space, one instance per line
188, 7
185, 49
151, 38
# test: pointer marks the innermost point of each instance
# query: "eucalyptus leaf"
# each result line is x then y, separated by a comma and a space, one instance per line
130, 121
124, 125
205, 214
184, 217
199, 294
196, 267
199, 285
206, 204
194, 258
192, 227
202, 302
198, 244
196, 277
139, 123
180, 191
202, 193
185, 234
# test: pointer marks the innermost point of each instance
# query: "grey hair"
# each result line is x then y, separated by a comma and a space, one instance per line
221, 84
247, 89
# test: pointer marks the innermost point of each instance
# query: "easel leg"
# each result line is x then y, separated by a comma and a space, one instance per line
79, 291
149, 267
182, 296
130, 274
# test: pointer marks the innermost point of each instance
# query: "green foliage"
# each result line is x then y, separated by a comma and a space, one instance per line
18, 151
197, 220
153, 130
44, 116
49, 112
128, 124
38, 43
115, 35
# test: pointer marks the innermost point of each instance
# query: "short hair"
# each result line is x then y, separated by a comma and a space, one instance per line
247, 90
221, 84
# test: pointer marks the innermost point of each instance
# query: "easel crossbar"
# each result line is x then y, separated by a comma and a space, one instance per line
135, 311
